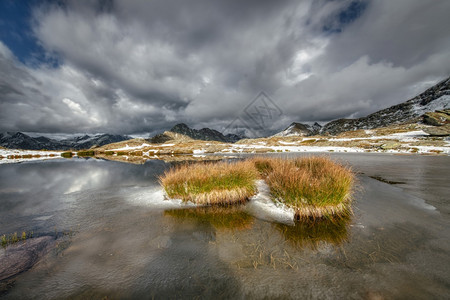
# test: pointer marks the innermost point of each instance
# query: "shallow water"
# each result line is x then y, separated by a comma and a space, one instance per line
124, 241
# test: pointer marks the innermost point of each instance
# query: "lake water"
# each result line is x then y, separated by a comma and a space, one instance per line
118, 237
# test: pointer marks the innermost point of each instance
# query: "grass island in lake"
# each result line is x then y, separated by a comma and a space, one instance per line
315, 187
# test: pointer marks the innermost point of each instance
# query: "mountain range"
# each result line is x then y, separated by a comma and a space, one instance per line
19, 140
433, 104
205, 134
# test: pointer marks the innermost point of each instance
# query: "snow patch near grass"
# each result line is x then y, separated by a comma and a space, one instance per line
401, 136
262, 207
38, 155
131, 148
287, 143
245, 147
153, 197
144, 145
198, 151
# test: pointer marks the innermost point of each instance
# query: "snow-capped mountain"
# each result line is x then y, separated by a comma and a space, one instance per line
299, 129
434, 98
19, 140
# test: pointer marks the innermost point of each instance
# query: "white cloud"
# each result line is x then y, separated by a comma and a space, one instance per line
75, 107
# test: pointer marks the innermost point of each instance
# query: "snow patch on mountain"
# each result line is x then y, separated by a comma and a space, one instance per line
440, 103
300, 129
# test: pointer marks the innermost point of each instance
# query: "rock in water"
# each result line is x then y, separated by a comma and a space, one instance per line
20, 257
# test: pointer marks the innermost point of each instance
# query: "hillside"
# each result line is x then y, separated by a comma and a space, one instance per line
434, 98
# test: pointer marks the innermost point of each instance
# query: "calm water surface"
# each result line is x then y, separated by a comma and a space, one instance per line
123, 241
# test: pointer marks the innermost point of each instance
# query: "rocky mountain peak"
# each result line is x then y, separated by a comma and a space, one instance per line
205, 134
295, 129
180, 128
315, 128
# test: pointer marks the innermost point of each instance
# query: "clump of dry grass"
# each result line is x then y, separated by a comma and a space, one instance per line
263, 165
211, 183
315, 187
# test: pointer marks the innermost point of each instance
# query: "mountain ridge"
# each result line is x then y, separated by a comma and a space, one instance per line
19, 140
434, 98
204, 134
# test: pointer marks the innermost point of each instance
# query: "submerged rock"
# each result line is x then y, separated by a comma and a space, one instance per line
20, 257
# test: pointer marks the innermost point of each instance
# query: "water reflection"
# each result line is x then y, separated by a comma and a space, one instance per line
126, 246
169, 158
40, 190
302, 234
221, 218
312, 234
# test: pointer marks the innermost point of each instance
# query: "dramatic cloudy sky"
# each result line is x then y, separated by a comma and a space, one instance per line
140, 66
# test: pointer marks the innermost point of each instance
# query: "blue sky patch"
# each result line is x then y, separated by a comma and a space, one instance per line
345, 17
16, 32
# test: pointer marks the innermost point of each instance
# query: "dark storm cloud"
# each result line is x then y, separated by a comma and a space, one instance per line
141, 66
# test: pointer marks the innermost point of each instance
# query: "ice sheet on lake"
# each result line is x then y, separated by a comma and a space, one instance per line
153, 197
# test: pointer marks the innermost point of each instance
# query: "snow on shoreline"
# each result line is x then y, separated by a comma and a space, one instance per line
35, 155
401, 136
404, 138
144, 145
300, 149
240, 149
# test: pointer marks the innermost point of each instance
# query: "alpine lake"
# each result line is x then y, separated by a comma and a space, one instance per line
113, 235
